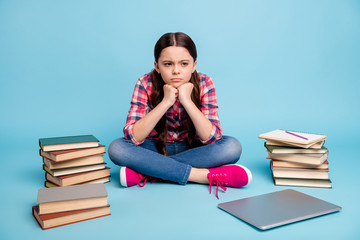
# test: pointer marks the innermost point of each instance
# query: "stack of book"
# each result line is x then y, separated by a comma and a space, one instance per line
73, 160
297, 159
65, 205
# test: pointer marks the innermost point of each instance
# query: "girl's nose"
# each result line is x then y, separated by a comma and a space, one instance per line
176, 69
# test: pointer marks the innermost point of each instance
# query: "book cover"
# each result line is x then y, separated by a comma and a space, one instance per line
100, 180
72, 170
317, 145
310, 159
91, 160
68, 142
60, 199
285, 164
293, 137
46, 195
300, 173
77, 178
51, 220
66, 155
291, 150
316, 183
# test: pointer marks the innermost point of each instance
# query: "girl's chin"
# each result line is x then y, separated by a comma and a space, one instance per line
176, 84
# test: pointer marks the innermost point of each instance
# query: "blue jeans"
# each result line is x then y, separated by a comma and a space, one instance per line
175, 167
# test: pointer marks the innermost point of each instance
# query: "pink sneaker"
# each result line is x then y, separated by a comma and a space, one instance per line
129, 177
229, 176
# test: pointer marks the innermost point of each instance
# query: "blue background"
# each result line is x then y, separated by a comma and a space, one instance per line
69, 68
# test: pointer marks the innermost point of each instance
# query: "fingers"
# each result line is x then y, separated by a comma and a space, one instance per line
170, 94
170, 89
185, 91
187, 86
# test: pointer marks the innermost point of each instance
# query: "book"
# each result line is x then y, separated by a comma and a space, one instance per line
304, 140
300, 175
317, 145
290, 150
61, 199
72, 170
279, 163
279, 172
310, 159
320, 183
91, 160
52, 220
77, 178
68, 142
65, 155
100, 180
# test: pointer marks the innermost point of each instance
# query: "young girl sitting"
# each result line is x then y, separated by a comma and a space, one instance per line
173, 131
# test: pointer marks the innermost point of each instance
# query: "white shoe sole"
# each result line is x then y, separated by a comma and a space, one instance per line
123, 177
248, 172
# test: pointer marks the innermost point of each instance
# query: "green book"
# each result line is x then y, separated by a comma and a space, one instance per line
291, 150
68, 142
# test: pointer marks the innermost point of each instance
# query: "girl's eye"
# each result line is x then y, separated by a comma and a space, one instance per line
167, 64
184, 64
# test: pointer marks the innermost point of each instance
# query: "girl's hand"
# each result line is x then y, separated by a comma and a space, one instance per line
185, 91
170, 95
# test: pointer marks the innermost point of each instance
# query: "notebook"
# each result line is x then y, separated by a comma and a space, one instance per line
278, 208
291, 137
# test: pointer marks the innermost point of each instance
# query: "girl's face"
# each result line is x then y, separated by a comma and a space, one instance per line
175, 65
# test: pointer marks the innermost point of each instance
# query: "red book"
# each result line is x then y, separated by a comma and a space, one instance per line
52, 220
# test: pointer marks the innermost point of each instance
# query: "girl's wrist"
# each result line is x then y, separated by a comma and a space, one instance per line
188, 104
165, 104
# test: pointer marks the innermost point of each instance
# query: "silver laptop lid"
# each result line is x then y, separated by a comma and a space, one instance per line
278, 208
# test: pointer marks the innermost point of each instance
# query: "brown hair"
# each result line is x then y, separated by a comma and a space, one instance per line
181, 40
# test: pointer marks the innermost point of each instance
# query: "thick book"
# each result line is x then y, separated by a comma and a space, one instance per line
78, 162
68, 142
285, 164
290, 150
76, 178
52, 220
100, 180
280, 172
305, 140
66, 155
72, 170
61, 199
317, 145
310, 159
295, 182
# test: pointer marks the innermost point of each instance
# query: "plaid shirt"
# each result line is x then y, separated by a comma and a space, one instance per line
176, 115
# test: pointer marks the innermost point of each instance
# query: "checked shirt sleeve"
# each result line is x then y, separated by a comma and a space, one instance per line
139, 108
209, 108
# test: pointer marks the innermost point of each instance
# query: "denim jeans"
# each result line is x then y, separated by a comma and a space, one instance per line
175, 167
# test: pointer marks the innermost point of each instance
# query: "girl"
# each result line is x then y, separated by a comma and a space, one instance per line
173, 130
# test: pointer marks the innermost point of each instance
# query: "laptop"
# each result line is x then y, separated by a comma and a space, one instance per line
278, 208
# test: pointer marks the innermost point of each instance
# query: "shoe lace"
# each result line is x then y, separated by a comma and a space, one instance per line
219, 180
143, 179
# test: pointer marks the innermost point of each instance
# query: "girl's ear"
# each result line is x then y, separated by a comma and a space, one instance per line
156, 67
194, 67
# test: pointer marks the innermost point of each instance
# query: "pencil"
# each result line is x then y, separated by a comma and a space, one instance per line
296, 135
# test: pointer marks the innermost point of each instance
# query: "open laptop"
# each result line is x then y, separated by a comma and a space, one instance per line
278, 208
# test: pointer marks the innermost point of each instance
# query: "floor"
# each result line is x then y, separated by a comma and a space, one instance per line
172, 211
